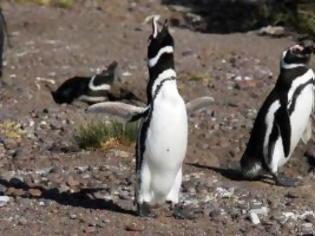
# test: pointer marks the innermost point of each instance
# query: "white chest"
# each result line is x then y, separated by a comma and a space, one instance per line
166, 140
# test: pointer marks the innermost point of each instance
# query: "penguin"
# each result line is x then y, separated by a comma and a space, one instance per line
283, 119
3, 35
86, 89
162, 137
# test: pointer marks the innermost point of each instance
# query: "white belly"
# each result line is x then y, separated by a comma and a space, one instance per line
166, 142
301, 115
299, 121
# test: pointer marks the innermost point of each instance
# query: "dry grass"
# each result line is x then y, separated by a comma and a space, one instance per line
11, 130
57, 3
106, 135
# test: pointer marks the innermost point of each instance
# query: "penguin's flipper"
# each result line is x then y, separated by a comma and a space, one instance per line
120, 110
272, 142
307, 134
283, 121
198, 104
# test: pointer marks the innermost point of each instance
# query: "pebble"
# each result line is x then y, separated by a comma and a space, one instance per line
72, 182
307, 229
134, 227
254, 218
260, 211
35, 192
89, 229
15, 192
73, 216
22, 221
4, 200
274, 31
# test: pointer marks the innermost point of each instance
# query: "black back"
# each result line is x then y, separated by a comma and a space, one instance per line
71, 89
77, 86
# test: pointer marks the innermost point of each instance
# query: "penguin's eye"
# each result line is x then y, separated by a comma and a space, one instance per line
297, 49
150, 39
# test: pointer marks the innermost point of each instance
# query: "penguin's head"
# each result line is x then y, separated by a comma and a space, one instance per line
299, 54
160, 37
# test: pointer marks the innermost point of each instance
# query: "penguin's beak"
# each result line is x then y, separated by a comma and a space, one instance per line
155, 22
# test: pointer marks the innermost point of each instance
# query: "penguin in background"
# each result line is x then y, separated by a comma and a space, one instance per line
87, 89
162, 138
4, 38
283, 119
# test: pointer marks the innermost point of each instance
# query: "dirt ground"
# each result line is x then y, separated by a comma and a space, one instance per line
54, 188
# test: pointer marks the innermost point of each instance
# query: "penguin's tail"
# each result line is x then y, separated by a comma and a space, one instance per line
3, 22
251, 168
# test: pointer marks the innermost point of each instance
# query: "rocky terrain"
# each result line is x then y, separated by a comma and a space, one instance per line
50, 186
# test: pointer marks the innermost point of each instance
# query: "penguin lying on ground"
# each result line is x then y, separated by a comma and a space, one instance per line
283, 119
87, 89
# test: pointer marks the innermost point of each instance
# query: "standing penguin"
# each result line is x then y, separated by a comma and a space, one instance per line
162, 137
283, 119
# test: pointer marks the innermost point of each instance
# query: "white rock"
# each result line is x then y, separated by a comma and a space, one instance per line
254, 218
4, 200
224, 193
260, 211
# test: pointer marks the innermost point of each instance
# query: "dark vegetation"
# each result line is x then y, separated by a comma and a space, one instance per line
227, 16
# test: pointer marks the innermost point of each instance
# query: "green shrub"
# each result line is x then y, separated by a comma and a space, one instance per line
106, 135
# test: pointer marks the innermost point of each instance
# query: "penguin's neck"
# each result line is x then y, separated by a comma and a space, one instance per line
167, 79
162, 73
288, 76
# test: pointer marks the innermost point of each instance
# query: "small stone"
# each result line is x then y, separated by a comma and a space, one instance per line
15, 192
307, 229
254, 218
72, 182
73, 216
292, 194
22, 221
260, 211
35, 192
4, 200
89, 229
245, 84
64, 188
135, 227
274, 31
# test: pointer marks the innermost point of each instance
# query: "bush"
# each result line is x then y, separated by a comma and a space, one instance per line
106, 135
57, 3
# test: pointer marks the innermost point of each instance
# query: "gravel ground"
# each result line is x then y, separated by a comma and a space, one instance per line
49, 186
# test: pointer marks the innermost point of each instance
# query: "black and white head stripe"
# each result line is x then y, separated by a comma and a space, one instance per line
296, 56
160, 56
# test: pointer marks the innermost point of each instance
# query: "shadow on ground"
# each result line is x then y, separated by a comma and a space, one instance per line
82, 198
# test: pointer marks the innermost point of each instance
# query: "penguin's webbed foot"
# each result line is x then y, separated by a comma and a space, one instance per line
183, 213
144, 210
285, 181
